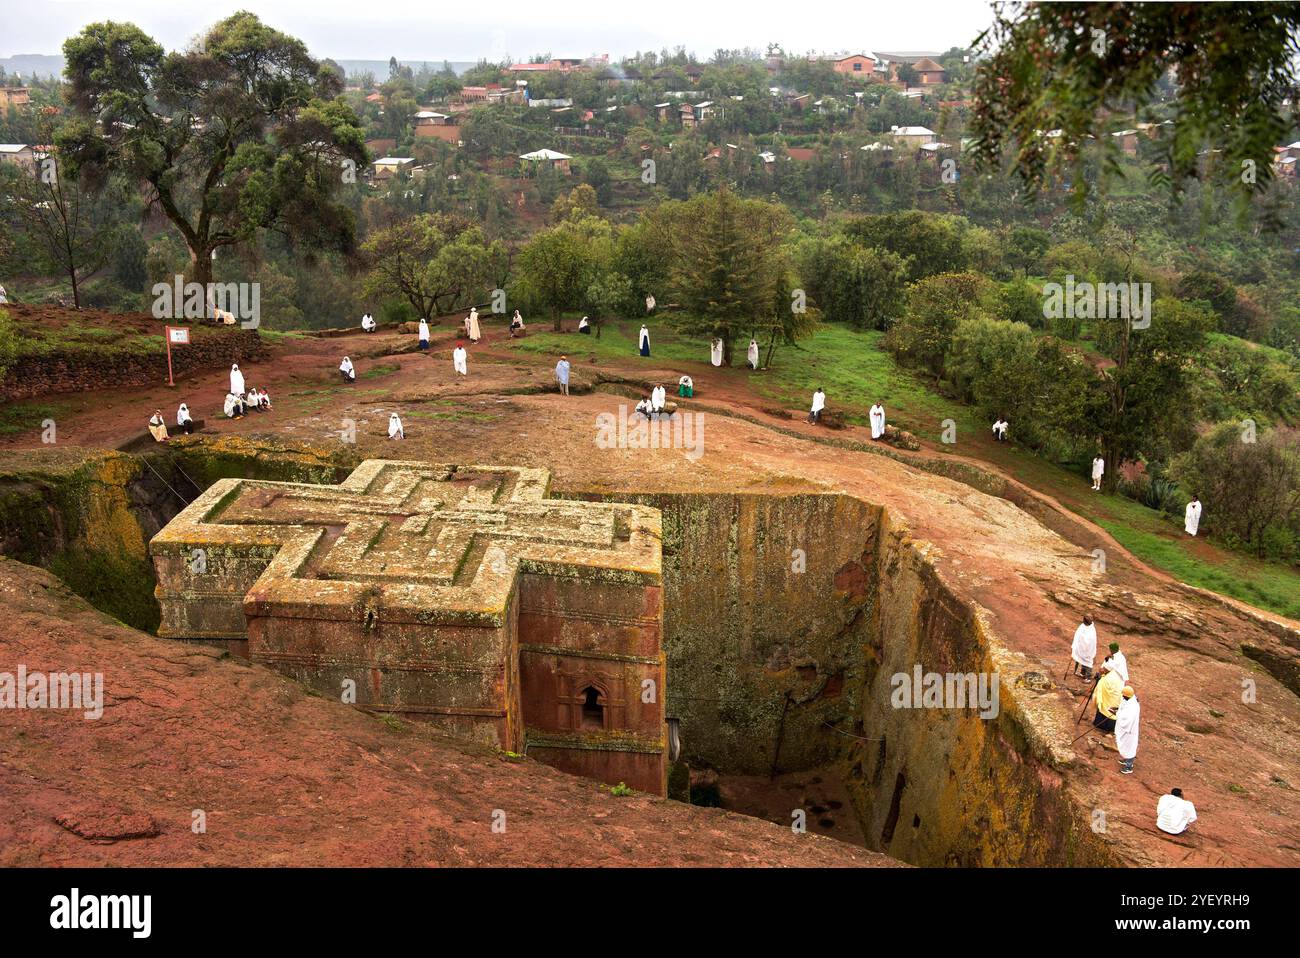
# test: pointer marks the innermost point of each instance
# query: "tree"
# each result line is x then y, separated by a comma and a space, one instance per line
609, 294
1250, 489
558, 265
862, 286
437, 262
730, 265
994, 364
935, 305
70, 227
1145, 408
931, 242
578, 203
242, 132
1067, 66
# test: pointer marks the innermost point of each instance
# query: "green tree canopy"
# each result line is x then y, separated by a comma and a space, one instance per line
241, 132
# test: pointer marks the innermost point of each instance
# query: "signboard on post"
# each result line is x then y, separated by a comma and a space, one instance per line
180, 335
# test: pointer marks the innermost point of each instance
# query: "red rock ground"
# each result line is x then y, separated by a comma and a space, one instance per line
285, 778
1032, 577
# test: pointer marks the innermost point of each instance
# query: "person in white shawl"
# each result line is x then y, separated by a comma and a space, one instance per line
184, 420
1192, 517
649, 304
395, 427
877, 417
1116, 662
424, 333
1098, 470
752, 354
818, 404
715, 352
1083, 650
348, 370
158, 426
643, 340
471, 325
252, 400
368, 323
233, 407
584, 325
460, 359
658, 397
236, 380
1126, 729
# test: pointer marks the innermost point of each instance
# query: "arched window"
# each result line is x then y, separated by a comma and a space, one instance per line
593, 712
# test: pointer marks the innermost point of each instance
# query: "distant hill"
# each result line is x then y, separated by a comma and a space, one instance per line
35, 64
51, 65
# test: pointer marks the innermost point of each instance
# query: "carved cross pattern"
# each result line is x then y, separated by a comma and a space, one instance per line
435, 538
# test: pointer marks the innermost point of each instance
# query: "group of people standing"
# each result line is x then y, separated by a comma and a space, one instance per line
1118, 711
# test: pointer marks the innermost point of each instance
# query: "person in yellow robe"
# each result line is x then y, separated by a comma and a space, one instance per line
1110, 690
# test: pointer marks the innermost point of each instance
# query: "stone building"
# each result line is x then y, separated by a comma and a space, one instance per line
460, 596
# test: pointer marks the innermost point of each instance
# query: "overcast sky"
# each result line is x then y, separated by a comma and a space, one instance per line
434, 30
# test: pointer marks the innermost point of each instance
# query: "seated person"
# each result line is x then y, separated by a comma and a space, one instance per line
158, 426
584, 326
263, 398
184, 420
645, 407
516, 324
234, 407
686, 387
348, 370
368, 323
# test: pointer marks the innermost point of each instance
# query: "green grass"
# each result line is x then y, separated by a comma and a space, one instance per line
25, 416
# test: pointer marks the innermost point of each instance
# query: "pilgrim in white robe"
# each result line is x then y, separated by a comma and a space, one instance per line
471, 325
1192, 518
649, 304
1126, 727
368, 323
658, 396
460, 360
877, 417
1118, 664
348, 370
1084, 647
584, 326
1098, 470
643, 341
236, 380
818, 404
424, 334
395, 427
752, 354
715, 353
233, 408
184, 420
158, 427
1174, 814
